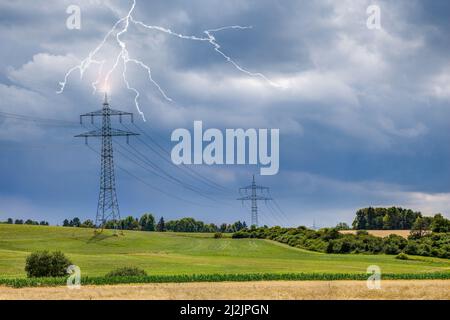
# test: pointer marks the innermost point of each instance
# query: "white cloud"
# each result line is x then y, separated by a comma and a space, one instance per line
357, 194
43, 72
439, 85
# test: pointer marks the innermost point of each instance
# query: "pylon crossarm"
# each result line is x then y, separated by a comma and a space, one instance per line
113, 132
110, 112
94, 133
122, 133
262, 198
92, 114
113, 112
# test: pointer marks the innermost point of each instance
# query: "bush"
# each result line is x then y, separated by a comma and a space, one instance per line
241, 235
218, 235
402, 256
412, 248
127, 272
47, 264
391, 249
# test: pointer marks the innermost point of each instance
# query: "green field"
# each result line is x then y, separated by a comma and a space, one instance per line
180, 253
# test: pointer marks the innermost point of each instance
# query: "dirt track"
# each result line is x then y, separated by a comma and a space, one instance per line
398, 289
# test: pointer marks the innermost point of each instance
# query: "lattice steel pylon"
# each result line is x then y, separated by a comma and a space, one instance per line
254, 197
108, 206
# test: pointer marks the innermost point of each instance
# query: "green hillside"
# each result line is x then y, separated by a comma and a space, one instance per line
175, 253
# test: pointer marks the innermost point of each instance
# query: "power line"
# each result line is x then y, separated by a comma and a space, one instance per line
136, 154
274, 216
149, 185
188, 170
37, 120
15, 115
270, 217
185, 185
272, 209
166, 176
278, 207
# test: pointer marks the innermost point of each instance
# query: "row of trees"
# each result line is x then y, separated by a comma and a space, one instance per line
192, 225
397, 219
28, 222
393, 218
424, 225
147, 222
421, 226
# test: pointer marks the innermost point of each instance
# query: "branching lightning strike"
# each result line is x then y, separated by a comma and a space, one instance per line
125, 58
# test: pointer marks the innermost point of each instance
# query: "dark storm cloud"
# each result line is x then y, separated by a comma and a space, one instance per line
363, 113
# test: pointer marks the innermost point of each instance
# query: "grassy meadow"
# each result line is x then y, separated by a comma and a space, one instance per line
186, 254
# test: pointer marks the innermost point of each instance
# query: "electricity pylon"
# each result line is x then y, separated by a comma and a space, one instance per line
108, 207
254, 197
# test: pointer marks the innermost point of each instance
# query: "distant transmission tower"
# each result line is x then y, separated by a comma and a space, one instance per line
108, 207
254, 197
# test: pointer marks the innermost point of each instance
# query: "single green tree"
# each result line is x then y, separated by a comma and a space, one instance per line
147, 222
87, 224
161, 226
440, 224
76, 222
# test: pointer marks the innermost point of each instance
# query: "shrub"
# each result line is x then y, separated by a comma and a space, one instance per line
412, 248
402, 256
329, 234
47, 264
391, 249
241, 235
127, 272
218, 235
424, 250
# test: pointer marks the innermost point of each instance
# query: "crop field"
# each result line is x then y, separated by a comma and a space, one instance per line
174, 254
381, 233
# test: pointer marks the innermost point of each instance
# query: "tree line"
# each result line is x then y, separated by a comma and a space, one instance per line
147, 222
27, 222
192, 225
396, 218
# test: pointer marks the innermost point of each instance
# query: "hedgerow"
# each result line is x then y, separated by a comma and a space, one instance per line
330, 240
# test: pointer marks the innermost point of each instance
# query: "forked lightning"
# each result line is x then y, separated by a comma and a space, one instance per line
124, 56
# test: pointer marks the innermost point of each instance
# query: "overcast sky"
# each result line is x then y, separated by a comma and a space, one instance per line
363, 114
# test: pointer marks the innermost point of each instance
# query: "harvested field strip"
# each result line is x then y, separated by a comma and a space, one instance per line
295, 290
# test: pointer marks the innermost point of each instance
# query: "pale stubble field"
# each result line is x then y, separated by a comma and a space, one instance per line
290, 290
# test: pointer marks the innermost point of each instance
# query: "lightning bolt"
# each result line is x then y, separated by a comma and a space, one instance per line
123, 58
